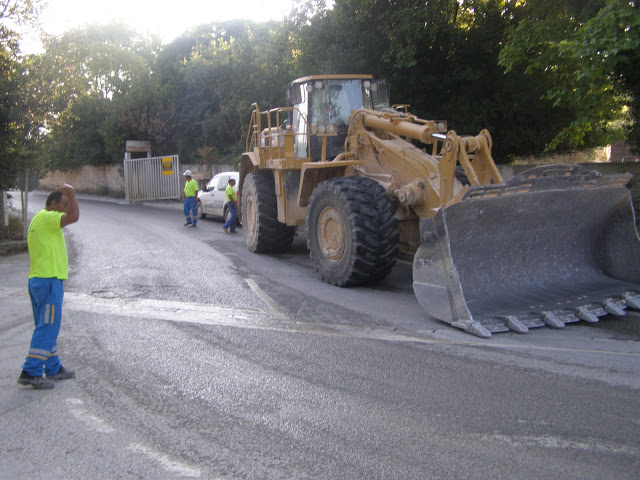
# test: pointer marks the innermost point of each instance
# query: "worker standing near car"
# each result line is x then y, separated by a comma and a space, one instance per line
232, 205
190, 199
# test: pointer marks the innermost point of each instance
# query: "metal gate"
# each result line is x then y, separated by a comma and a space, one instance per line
153, 178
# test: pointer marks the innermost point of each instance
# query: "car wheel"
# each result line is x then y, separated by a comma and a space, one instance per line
200, 213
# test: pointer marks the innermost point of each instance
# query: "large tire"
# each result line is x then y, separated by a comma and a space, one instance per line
353, 232
262, 231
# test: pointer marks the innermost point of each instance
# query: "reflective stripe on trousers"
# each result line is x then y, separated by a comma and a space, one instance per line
46, 301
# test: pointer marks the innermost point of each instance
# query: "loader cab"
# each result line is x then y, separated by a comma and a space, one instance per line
323, 103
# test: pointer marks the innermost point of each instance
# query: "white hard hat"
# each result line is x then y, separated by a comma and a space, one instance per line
187, 173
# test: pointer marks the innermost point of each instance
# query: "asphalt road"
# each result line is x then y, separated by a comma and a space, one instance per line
197, 359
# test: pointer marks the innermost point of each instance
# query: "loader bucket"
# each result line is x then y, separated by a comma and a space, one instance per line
553, 245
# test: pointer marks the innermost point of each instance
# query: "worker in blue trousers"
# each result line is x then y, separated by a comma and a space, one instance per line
190, 199
49, 268
232, 205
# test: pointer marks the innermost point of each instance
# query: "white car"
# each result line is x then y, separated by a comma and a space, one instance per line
212, 199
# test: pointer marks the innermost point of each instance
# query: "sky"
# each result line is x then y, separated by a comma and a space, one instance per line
166, 18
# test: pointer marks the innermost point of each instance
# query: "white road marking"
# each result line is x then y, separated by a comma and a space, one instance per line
551, 442
207, 314
265, 298
165, 462
89, 420
77, 409
186, 312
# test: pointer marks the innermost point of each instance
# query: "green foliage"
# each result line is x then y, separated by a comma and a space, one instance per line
76, 138
440, 56
572, 77
14, 231
20, 12
588, 54
84, 77
8, 119
229, 68
19, 124
15, 121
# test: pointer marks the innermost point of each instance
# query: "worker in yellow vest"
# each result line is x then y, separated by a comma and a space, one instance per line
190, 199
232, 205
48, 269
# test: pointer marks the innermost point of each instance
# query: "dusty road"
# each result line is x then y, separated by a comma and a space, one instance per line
197, 359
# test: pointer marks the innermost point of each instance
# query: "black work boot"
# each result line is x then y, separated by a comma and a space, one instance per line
63, 374
38, 383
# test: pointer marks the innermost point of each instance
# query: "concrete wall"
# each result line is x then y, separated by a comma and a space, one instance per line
107, 180
621, 152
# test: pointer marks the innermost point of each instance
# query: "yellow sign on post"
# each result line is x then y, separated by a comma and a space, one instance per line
167, 165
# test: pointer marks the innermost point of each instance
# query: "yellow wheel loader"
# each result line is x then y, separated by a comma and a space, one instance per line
553, 245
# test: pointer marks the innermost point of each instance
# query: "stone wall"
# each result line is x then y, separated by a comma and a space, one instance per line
106, 180
109, 180
621, 152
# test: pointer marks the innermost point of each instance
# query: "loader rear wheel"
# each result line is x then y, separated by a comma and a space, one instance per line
262, 231
353, 234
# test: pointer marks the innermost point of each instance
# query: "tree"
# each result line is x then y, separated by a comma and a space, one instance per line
471, 91
15, 127
235, 64
84, 75
9, 101
589, 54
440, 56
94, 88
20, 12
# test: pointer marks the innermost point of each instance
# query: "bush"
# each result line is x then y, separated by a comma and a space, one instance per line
13, 231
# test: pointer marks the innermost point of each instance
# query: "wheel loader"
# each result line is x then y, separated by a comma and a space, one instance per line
553, 245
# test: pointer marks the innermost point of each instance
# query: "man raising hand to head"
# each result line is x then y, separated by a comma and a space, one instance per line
49, 267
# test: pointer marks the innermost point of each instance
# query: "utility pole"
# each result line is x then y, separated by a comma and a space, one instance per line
5, 209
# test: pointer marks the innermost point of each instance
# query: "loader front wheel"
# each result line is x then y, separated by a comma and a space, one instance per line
353, 234
262, 231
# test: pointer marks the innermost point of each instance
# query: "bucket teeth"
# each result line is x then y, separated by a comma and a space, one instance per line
557, 318
475, 328
632, 299
583, 314
614, 308
552, 320
516, 325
